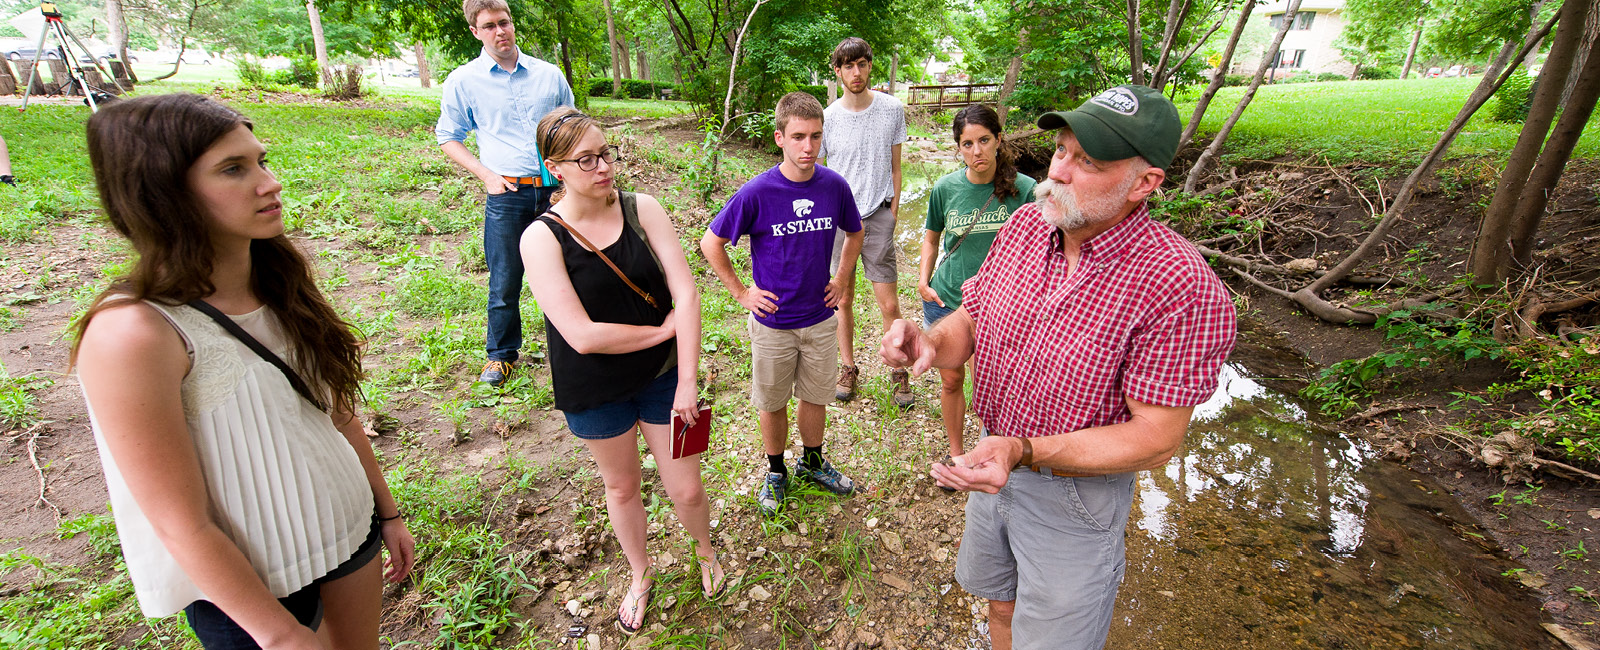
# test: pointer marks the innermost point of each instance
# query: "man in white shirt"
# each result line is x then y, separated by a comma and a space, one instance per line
862, 143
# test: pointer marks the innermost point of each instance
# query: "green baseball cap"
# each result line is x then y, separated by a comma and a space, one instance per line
1123, 122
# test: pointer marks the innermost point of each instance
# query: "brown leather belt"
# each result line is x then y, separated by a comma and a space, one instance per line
536, 181
1046, 471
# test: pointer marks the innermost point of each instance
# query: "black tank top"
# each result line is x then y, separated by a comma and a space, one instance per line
585, 381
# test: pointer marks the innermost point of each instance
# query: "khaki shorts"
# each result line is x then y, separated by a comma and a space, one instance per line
798, 363
877, 247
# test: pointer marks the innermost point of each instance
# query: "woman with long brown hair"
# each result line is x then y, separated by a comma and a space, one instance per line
622, 316
966, 209
222, 390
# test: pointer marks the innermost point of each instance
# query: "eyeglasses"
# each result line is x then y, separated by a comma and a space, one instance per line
589, 162
503, 24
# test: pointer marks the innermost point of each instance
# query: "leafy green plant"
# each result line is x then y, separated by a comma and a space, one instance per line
1413, 338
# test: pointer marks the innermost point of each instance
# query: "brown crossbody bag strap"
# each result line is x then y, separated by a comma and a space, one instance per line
586, 244
966, 232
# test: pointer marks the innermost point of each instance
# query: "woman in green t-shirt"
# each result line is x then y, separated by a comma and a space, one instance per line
966, 207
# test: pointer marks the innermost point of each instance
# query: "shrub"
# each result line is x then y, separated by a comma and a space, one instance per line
1513, 99
1374, 73
632, 88
302, 72
252, 75
1236, 80
820, 92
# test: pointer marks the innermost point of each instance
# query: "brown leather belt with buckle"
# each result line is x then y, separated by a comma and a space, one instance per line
535, 181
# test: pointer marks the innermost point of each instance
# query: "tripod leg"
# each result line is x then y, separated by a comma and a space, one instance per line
105, 72
33, 70
75, 68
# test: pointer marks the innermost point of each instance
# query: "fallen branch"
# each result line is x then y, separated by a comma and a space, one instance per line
33, 457
1539, 463
1382, 410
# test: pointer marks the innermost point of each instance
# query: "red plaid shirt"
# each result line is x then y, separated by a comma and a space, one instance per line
1142, 316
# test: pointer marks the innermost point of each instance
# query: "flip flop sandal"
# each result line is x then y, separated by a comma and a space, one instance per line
719, 588
641, 600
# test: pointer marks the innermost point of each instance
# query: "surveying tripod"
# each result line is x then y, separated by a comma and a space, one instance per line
53, 25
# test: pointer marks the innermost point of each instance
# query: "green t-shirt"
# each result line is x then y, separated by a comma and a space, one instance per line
953, 205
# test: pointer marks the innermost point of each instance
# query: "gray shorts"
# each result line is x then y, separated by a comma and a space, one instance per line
1054, 545
877, 247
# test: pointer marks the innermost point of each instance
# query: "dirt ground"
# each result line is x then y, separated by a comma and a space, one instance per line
908, 602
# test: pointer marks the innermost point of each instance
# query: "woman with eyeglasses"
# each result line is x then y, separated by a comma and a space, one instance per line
966, 208
622, 318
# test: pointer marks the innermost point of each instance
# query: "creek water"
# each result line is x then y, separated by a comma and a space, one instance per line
1272, 530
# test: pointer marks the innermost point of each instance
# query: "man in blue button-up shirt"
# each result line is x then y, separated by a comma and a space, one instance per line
501, 94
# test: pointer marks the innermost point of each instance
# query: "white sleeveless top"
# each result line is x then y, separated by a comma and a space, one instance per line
284, 484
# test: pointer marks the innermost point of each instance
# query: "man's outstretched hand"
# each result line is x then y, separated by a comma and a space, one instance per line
904, 346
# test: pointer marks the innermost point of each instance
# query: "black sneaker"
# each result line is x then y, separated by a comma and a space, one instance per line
773, 491
827, 477
495, 372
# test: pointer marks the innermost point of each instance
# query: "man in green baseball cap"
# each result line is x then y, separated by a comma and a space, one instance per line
1123, 122
1093, 330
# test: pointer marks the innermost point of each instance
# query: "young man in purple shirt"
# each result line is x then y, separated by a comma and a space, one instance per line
790, 213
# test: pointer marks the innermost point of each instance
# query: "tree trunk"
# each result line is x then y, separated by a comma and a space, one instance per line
1135, 44
1219, 78
1211, 152
1177, 12
1541, 184
638, 50
1355, 71
733, 66
423, 73
1411, 54
566, 50
894, 69
611, 43
1489, 261
1591, 31
624, 57
833, 91
1006, 87
118, 25
319, 42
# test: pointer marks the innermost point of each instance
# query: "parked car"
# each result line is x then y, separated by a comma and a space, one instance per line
1453, 71
28, 52
1433, 72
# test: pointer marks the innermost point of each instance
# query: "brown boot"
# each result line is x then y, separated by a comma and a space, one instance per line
845, 390
902, 388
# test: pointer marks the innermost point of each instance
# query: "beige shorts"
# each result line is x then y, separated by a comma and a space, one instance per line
798, 363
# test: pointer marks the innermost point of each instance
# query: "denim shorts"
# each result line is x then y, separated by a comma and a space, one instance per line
217, 631
932, 312
651, 405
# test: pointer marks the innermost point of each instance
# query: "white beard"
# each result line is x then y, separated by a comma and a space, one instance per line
1059, 206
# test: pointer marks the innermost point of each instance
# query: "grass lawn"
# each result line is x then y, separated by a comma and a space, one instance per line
1374, 121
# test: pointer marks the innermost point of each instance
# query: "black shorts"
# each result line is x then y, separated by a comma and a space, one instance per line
217, 631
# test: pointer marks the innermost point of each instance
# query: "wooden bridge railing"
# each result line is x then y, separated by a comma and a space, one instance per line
953, 96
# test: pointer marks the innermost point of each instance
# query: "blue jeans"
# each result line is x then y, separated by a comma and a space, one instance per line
505, 216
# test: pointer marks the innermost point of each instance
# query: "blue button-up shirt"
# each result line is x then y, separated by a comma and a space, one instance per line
504, 108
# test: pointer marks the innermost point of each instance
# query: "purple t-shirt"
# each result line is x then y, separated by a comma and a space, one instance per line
791, 226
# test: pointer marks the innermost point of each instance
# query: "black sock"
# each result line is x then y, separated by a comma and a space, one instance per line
812, 456
775, 464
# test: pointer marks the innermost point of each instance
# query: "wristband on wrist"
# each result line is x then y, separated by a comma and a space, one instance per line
1027, 454
396, 516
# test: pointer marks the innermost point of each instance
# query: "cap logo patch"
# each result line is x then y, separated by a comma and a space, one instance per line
1119, 100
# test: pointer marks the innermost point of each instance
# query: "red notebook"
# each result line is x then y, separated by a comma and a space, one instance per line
690, 440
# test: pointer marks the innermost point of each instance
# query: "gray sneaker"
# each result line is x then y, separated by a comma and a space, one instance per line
827, 477
773, 491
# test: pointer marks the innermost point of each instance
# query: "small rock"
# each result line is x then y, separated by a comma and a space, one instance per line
791, 541
1532, 580
1291, 176
564, 585
895, 581
760, 594
867, 639
1555, 606
872, 523
593, 642
572, 607
667, 559
1302, 265
1594, 513
891, 541
1168, 594
941, 554
804, 529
